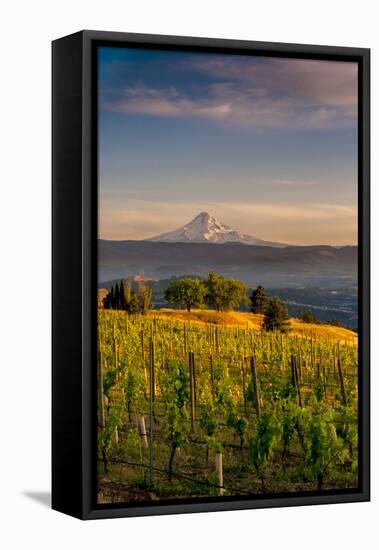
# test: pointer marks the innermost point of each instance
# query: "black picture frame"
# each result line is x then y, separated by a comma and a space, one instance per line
74, 271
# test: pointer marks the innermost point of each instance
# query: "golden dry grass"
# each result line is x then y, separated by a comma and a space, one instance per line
254, 321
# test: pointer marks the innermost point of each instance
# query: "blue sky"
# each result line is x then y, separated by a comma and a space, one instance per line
268, 146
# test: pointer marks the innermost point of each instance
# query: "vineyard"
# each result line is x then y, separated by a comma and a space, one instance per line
198, 409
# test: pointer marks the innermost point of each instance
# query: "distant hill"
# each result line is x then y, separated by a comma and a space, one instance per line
292, 266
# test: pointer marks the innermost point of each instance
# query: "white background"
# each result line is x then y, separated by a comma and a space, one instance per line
27, 29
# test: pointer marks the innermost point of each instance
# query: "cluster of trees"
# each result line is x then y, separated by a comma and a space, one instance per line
222, 294
307, 316
127, 298
274, 310
213, 291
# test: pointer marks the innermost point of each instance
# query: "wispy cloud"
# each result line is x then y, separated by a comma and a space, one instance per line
270, 93
166, 103
293, 183
327, 82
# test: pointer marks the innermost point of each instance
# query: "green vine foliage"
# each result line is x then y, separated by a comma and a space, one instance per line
265, 443
325, 450
107, 434
302, 434
235, 422
176, 397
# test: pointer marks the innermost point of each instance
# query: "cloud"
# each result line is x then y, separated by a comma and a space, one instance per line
167, 103
293, 183
251, 92
324, 82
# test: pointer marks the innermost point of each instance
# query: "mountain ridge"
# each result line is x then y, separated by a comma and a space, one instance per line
322, 265
205, 228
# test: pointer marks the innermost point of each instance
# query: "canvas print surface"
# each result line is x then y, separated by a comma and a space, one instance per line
227, 276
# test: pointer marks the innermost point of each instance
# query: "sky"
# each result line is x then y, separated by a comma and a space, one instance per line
267, 145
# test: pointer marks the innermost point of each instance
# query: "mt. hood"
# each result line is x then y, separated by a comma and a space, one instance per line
206, 228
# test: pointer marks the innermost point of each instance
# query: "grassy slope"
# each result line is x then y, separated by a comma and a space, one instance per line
253, 321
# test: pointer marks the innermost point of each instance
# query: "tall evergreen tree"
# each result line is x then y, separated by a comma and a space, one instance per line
122, 295
258, 300
117, 297
107, 301
276, 316
111, 300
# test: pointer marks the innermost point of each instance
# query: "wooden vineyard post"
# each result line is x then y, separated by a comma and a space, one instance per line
115, 354
142, 346
254, 374
142, 430
143, 358
295, 378
192, 393
194, 377
152, 395
100, 389
212, 376
340, 374
323, 376
324, 379
299, 371
152, 365
298, 381
162, 356
282, 358
244, 386
185, 339
217, 343
219, 471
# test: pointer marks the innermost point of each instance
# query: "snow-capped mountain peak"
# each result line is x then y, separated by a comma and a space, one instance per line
206, 228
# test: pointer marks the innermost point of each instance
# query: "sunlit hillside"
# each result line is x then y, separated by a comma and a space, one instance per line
254, 321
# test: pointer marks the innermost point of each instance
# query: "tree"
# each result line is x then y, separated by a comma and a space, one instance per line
134, 306
233, 295
116, 297
185, 292
307, 316
276, 316
223, 294
144, 296
213, 284
107, 301
122, 295
258, 300
127, 294
335, 322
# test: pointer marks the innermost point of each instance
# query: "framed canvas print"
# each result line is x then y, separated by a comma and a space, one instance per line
210, 275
